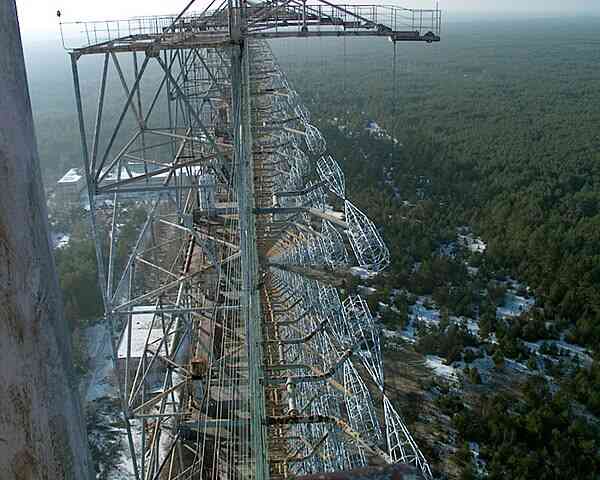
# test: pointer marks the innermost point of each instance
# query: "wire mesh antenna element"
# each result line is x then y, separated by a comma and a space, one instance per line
236, 355
402, 447
367, 244
361, 328
330, 172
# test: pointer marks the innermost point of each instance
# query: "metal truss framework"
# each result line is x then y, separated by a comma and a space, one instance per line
246, 368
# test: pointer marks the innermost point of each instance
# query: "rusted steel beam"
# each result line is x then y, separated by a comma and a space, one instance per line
397, 471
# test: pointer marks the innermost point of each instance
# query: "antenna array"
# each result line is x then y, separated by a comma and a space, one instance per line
236, 354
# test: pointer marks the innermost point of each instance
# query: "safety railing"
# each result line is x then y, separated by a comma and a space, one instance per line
262, 18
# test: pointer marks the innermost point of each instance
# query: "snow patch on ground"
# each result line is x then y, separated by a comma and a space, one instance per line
480, 464
563, 348
514, 305
471, 242
100, 391
440, 368
484, 365
516, 366
124, 468
408, 333
100, 381
472, 271
423, 311
59, 240
448, 249
472, 325
366, 291
573, 350
362, 273
418, 314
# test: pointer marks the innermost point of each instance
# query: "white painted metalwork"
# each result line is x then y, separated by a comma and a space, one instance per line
367, 244
330, 172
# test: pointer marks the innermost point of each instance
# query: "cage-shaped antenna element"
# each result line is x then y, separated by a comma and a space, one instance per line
314, 139
333, 245
359, 405
361, 329
329, 171
367, 244
401, 445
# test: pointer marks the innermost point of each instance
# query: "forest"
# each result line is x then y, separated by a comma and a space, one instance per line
495, 128
503, 125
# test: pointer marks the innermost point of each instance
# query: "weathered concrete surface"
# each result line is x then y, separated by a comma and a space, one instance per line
42, 435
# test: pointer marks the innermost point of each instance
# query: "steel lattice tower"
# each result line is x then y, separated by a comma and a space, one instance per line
251, 364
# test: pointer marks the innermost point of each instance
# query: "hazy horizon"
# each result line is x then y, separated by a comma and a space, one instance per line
39, 21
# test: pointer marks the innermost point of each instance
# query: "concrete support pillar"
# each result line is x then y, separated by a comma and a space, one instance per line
42, 434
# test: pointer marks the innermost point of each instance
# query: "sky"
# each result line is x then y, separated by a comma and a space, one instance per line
38, 17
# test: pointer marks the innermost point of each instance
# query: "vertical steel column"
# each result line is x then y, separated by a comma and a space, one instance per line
249, 295
91, 189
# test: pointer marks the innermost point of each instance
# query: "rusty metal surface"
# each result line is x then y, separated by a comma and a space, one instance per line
388, 472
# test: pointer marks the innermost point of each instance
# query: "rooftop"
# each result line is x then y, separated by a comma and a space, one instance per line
142, 328
72, 176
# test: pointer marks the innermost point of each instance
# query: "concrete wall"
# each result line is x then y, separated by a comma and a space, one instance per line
154, 378
42, 434
68, 195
